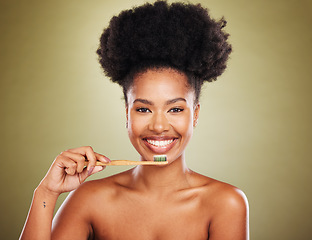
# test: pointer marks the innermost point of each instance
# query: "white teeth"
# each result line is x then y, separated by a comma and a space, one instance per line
159, 143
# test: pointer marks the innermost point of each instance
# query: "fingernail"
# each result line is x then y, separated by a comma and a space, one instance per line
101, 168
90, 170
107, 159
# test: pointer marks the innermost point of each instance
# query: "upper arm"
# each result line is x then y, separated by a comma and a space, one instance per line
72, 219
231, 216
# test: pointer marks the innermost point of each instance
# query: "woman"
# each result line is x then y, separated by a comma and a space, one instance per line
161, 55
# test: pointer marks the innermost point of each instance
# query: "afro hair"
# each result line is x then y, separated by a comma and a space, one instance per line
181, 36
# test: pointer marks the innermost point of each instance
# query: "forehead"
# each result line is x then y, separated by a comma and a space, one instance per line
160, 83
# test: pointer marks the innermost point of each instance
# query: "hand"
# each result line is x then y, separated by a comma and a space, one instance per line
67, 171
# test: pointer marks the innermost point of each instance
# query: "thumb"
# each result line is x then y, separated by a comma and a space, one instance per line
92, 171
96, 169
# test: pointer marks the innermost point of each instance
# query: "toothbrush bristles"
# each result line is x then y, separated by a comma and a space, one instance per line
160, 158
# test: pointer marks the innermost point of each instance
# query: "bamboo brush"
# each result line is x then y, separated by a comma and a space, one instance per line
158, 160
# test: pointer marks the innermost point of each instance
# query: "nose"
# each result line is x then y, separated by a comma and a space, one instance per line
159, 123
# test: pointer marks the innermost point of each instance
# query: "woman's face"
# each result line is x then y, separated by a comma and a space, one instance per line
161, 113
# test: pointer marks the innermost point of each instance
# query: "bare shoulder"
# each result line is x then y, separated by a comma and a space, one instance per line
220, 191
228, 196
74, 218
108, 186
81, 201
227, 207
220, 197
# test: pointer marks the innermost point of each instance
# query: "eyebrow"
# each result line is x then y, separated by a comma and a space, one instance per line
175, 100
171, 101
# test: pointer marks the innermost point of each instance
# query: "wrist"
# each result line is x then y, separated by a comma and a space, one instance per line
43, 191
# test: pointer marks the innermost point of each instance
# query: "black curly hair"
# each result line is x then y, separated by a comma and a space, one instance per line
179, 36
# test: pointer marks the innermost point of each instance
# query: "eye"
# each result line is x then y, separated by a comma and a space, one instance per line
176, 110
143, 110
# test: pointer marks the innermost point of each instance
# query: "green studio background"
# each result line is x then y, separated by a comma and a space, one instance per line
254, 128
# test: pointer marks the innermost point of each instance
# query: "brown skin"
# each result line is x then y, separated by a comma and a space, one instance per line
146, 202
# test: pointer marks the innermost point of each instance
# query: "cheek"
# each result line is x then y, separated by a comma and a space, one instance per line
135, 125
184, 125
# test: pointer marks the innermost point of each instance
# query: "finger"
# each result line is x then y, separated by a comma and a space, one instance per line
70, 171
68, 164
102, 158
97, 169
76, 157
86, 173
90, 156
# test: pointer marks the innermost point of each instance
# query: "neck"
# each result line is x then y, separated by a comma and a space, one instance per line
169, 178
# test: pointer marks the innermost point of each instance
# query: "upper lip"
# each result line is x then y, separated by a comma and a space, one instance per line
159, 138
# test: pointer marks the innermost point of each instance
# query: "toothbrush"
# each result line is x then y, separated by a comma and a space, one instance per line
158, 160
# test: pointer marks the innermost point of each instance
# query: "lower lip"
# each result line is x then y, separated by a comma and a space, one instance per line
162, 149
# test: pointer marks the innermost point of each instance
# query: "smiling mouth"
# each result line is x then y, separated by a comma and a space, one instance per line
162, 143
160, 146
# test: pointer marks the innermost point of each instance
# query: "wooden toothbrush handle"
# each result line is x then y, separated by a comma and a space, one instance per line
127, 162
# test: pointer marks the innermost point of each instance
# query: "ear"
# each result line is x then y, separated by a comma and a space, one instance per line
126, 116
196, 114
126, 112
